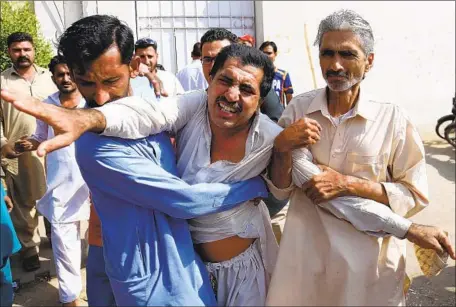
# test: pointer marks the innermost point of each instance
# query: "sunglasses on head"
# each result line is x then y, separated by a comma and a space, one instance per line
146, 42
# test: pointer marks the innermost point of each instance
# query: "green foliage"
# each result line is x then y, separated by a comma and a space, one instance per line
19, 16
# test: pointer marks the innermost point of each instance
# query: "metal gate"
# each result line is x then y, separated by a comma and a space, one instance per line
177, 25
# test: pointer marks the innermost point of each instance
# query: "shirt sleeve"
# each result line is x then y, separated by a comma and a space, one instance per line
365, 215
135, 117
41, 131
278, 193
3, 139
407, 187
287, 86
178, 87
115, 169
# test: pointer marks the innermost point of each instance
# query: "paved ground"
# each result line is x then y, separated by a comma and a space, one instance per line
40, 290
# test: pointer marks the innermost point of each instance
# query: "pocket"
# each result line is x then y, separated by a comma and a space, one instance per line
131, 292
368, 167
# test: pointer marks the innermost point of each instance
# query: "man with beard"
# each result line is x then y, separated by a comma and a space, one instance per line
66, 201
369, 150
24, 174
142, 205
146, 50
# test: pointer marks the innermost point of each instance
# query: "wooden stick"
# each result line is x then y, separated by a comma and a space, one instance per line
309, 55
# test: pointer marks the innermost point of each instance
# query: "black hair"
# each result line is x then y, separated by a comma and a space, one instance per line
56, 61
248, 56
143, 43
269, 43
19, 37
196, 52
88, 38
218, 34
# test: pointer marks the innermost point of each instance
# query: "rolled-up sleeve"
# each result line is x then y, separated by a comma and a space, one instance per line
407, 188
278, 193
41, 131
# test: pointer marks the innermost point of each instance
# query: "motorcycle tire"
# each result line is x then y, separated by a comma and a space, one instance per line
442, 124
450, 134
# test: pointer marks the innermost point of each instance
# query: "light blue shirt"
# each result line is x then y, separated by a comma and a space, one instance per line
192, 77
142, 206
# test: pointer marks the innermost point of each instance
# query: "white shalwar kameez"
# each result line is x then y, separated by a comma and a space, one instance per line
65, 204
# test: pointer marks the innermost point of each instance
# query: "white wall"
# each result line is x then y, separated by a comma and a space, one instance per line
415, 45
414, 52
51, 17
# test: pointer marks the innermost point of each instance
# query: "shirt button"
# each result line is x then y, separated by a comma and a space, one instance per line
333, 155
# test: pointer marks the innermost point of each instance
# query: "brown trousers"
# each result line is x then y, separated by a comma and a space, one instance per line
25, 218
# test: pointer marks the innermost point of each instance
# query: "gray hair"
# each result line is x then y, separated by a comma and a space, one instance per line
347, 20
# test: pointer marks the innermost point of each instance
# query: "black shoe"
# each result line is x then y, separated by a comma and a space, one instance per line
31, 264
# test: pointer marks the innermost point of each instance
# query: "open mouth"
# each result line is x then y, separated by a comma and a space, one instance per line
228, 107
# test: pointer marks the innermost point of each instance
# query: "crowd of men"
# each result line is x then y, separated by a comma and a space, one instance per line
186, 179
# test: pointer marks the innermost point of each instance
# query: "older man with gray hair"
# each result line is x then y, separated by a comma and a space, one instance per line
371, 155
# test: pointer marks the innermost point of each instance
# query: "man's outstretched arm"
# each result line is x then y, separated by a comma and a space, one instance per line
138, 118
68, 124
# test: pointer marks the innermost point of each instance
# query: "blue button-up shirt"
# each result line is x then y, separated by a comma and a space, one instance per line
142, 206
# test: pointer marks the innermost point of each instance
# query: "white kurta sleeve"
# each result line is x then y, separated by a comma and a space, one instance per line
364, 214
41, 131
135, 117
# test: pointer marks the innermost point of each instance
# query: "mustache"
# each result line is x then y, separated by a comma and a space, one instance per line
334, 73
23, 59
235, 105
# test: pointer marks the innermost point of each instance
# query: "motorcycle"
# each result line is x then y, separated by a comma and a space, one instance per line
446, 126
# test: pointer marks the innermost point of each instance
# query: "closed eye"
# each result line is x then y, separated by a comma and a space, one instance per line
327, 53
247, 89
111, 81
225, 81
86, 83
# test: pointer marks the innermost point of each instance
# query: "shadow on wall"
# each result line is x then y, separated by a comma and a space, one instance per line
441, 155
435, 291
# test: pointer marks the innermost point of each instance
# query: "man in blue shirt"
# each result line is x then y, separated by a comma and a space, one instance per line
282, 83
142, 205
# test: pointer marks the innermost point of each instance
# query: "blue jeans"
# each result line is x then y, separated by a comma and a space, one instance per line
99, 291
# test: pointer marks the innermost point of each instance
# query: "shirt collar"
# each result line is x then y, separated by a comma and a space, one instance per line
364, 107
38, 69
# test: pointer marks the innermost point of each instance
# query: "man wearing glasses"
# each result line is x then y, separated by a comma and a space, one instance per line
146, 50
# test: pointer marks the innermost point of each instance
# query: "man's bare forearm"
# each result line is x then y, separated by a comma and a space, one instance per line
281, 165
280, 169
367, 189
90, 120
